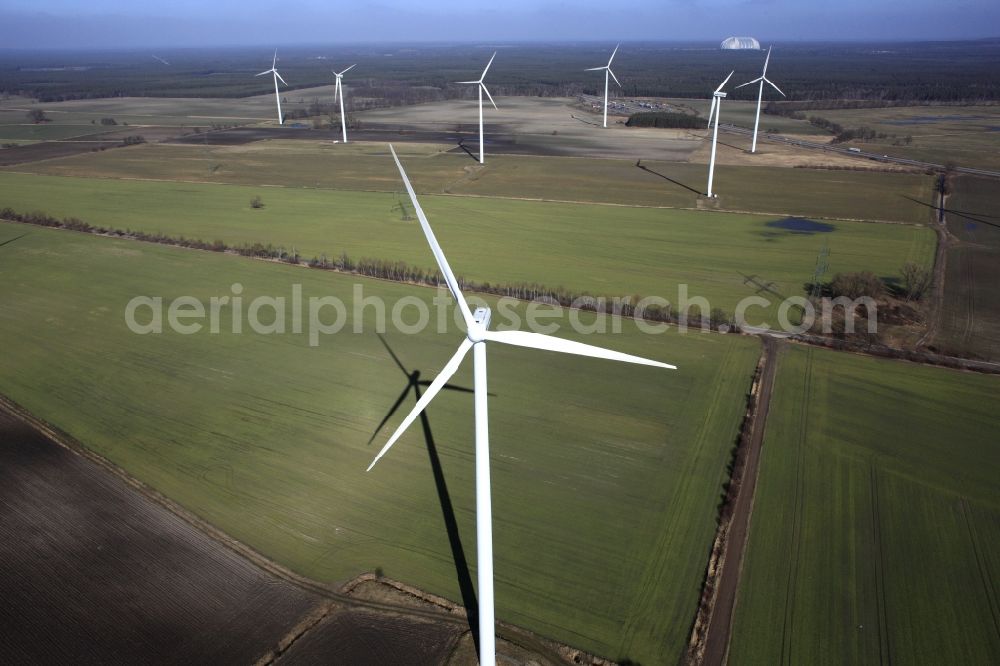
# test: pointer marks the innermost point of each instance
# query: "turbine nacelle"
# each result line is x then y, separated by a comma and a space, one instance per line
340, 75
478, 328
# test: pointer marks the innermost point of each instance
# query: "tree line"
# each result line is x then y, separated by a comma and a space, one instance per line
665, 119
916, 280
396, 271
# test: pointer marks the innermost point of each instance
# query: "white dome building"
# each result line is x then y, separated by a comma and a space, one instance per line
741, 43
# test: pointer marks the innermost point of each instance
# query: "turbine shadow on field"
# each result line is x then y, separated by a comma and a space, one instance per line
667, 178
974, 217
468, 592
461, 144
11, 240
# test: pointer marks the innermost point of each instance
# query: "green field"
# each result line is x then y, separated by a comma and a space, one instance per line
606, 476
876, 527
970, 321
367, 166
145, 111
28, 133
607, 250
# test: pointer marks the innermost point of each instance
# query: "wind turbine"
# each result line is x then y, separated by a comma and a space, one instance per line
762, 79
477, 335
339, 90
717, 98
607, 71
482, 89
277, 97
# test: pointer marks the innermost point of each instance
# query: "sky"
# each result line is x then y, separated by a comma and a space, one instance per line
130, 24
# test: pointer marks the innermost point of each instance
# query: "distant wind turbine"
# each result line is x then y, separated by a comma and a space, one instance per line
482, 89
339, 90
717, 98
277, 77
762, 79
161, 59
477, 335
607, 71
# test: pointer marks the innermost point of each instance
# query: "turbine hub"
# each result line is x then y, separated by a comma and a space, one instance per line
481, 322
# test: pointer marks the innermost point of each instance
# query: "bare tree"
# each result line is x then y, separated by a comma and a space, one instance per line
916, 280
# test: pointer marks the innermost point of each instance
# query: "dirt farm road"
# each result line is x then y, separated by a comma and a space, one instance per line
720, 625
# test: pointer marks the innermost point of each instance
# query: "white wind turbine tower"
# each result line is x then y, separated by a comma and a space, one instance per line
607, 71
339, 90
717, 98
477, 335
482, 89
277, 97
762, 79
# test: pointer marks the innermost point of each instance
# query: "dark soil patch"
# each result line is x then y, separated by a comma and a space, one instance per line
362, 638
802, 225
498, 140
47, 150
96, 573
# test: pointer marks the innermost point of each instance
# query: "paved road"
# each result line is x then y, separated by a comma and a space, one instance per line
633, 106
878, 157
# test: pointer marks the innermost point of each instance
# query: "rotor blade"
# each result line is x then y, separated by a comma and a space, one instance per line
723, 85
442, 262
274, 63
711, 111
766, 60
594, 69
348, 69
757, 80
393, 355
392, 410
470, 82
446, 372
279, 77
490, 96
263, 73
775, 87
549, 343
614, 77
613, 54
487, 67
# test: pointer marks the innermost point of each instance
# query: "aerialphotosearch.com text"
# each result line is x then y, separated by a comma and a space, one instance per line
318, 317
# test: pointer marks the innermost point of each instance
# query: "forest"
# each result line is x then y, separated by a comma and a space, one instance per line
811, 74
